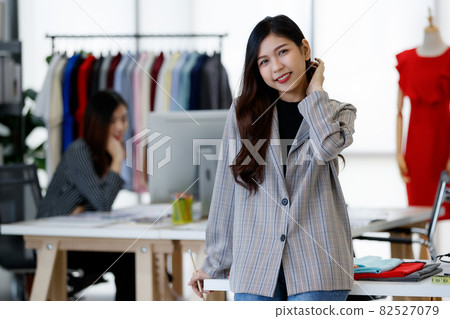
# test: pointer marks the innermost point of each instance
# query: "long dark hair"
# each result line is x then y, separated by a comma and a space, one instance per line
96, 122
256, 98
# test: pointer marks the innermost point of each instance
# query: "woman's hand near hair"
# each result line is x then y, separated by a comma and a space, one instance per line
115, 148
316, 83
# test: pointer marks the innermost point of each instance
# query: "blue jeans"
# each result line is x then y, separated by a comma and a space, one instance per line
281, 294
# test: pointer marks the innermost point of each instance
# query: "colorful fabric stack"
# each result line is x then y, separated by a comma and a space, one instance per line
377, 269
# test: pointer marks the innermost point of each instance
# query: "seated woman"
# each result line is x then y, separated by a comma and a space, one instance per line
88, 179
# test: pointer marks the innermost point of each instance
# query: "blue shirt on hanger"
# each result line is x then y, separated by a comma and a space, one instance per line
68, 120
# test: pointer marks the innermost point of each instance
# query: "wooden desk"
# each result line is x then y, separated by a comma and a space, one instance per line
50, 280
364, 220
53, 237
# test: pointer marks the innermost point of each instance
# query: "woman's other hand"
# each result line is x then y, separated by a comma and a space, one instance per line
316, 83
200, 275
78, 210
403, 168
117, 151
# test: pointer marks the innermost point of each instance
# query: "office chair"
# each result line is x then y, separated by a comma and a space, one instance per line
20, 196
442, 195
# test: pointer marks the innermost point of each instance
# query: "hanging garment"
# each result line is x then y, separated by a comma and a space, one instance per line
215, 90
139, 184
112, 70
43, 98
95, 82
137, 91
185, 80
175, 88
167, 97
127, 171
68, 120
426, 81
55, 120
194, 96
146, 86
83, 84
121, 86
154, 74
160, 88
51, 115
103, 77
74, 97
145, 109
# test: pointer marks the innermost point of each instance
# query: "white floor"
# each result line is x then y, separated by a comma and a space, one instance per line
367, 181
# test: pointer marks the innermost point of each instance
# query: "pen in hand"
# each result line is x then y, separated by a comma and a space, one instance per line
195, 271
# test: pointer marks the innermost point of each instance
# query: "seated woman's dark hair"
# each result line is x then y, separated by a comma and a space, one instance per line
96, 122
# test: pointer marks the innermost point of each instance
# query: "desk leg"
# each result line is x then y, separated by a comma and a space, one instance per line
167, 248
177, 268
144, 272
161, 281
44, 270
58, 285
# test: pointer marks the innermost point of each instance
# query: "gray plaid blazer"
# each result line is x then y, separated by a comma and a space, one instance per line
300, 220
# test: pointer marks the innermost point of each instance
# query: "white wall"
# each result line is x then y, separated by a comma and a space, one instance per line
40, 17
357, 39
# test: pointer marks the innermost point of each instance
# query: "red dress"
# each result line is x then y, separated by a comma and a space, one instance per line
426, 81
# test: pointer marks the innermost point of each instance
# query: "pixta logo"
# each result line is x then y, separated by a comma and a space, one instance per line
150, 142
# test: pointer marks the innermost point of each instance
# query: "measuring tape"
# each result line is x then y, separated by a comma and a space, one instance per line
440, 279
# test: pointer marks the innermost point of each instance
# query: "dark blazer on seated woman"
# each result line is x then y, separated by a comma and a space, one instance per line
76, 183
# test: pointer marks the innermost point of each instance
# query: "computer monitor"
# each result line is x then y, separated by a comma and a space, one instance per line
177, 141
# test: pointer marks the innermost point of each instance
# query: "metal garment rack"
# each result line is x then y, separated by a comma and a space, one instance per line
53, 37
137, 37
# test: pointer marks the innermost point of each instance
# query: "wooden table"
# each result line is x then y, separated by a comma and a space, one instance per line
53, 237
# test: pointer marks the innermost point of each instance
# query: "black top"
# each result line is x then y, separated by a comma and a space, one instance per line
289, 121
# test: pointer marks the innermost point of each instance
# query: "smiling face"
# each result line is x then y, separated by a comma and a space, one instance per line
282, 66
119, 123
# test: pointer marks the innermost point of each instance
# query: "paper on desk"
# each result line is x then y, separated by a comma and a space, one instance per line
364, 216
92, 219
153, 210
147, 214
216, 284
98, 218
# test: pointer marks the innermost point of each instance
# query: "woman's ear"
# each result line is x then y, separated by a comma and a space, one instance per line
306, 50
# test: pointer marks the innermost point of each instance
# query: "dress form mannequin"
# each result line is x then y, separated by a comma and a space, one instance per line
432, 49
432, 45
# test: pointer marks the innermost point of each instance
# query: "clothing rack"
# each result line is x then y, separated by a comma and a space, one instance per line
220, 37
53, 37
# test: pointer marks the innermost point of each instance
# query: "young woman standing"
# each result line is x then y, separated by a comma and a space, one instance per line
278, 224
